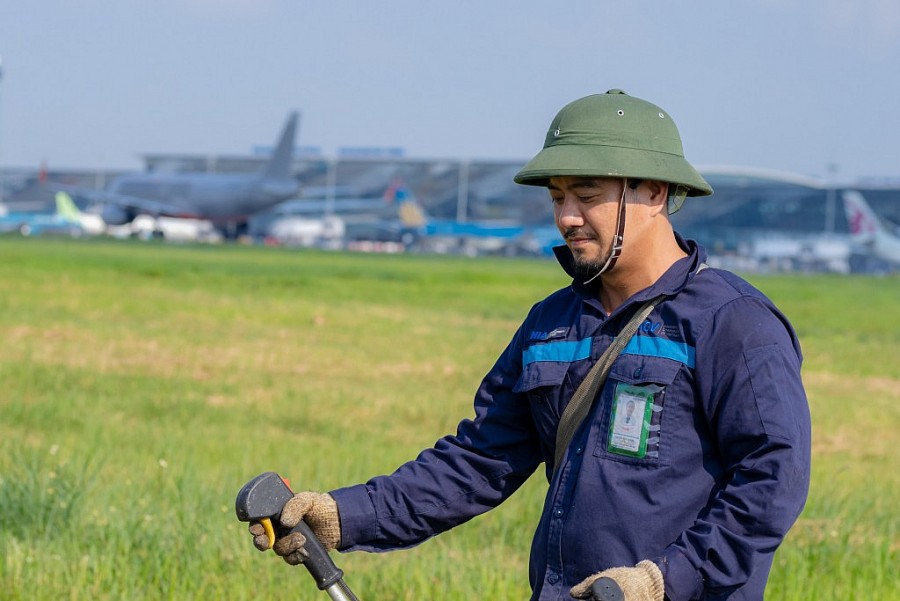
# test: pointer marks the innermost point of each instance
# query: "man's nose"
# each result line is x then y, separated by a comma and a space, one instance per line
568, 213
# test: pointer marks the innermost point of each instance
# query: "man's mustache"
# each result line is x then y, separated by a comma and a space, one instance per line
574, 232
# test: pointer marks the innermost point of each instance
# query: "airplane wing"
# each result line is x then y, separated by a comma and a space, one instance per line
124, 207
139, 205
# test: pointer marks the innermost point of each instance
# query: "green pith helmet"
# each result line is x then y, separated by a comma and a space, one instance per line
613, 135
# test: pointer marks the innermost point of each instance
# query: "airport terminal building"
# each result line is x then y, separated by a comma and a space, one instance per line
757, 220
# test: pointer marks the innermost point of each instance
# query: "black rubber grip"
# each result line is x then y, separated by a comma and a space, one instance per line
319, 563
606, 589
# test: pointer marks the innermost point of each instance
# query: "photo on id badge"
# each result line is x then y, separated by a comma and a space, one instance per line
630, 420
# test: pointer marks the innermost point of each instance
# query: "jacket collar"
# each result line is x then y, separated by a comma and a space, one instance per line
670, 283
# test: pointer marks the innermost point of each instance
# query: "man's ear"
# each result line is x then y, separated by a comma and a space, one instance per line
658, 196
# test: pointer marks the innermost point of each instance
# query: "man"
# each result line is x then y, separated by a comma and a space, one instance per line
694, 503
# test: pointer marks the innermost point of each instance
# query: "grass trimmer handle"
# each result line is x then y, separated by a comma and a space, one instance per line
261, 500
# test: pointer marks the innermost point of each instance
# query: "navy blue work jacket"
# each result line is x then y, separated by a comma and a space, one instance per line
726, 468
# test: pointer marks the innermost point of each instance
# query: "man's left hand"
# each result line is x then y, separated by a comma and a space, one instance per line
643, 582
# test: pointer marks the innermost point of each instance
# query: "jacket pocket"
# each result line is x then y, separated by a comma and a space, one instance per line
543, 384
631, 419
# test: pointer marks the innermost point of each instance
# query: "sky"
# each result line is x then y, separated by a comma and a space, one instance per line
802, 86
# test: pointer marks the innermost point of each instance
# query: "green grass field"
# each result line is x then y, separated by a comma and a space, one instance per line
141, 385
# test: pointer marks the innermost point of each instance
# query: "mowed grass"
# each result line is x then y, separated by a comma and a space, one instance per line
141, 385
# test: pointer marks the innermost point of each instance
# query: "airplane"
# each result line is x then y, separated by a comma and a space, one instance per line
350, 219
227, 200
867, 229
469, 237
67, 219
90, 223
396, 218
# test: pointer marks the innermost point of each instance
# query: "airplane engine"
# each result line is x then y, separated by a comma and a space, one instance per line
114, 215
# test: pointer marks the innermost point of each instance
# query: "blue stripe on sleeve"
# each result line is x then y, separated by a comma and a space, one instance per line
562, 351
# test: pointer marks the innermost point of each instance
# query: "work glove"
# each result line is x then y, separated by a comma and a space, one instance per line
320, 513
643, 582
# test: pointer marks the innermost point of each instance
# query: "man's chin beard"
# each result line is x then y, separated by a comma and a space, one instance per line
586, 269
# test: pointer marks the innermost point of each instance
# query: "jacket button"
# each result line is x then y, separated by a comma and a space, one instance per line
638, 371
553, 578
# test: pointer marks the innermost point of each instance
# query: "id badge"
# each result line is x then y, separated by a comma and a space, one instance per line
629, 423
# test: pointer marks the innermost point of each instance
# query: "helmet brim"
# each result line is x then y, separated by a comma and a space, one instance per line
610, 161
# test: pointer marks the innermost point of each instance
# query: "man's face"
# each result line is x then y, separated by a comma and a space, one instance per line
585, 210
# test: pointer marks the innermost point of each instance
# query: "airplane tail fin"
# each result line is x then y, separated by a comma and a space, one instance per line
861, 218
279, 166
65, 208
412, 215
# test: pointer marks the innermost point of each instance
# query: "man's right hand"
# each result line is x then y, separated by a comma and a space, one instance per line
320, 513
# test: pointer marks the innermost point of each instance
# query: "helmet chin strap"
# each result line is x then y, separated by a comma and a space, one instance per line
615, 250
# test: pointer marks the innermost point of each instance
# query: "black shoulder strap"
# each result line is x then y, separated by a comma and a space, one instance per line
581, 402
